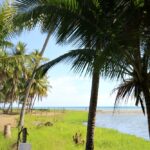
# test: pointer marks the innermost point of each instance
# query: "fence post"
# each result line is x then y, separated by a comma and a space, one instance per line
7, 131
24, 145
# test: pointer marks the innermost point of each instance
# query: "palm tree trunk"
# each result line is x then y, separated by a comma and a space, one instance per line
92, 110
11, 108
147, 103
4, 106
18, 106
33, 102
8, 109
30, 103
22, 113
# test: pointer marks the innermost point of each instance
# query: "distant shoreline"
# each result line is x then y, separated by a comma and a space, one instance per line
103, 110
86, 107
100, 109
132, 111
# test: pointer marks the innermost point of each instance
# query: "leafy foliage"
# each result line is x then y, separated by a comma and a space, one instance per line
16, 69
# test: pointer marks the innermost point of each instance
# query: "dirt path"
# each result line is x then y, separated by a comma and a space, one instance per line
7, 119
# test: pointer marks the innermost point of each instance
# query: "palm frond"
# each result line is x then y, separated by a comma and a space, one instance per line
129, 88
6, 21
81, 59
47, 13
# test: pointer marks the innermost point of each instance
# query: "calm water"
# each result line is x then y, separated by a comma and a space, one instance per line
134, 124
130, 123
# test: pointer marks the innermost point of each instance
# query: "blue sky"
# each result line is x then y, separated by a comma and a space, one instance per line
68, 89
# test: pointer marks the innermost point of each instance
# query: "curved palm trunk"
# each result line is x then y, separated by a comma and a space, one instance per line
27, 91
33, 102
4, 106
8, 109
30, 104
92, 111
147, 103
12, 98
11, 108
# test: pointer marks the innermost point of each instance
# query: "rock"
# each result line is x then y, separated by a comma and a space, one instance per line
48, 124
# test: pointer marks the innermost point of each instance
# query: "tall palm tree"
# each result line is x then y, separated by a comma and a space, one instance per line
92, 24
3, 80
38, 90
30, 82
135, 81
24, 19
13, 65
6, 29
82, 22
135, 44
87, 61
18, 68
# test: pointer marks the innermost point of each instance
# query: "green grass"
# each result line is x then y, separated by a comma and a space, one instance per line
59, 136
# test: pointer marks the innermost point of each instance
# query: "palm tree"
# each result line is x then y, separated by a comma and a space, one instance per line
18, 68
6, 26
91, 24
6, 29
22, 22
30, 82
83, 22
136, 80
13, 68
38, 90
135, 44
4, 76
87, 61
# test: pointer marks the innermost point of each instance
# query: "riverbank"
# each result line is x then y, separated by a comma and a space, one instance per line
59, 136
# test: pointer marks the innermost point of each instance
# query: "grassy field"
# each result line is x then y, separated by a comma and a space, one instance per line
65, 125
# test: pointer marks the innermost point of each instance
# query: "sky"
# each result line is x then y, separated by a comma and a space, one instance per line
68, 89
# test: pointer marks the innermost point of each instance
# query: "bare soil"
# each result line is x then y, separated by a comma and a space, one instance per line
7, 119
12, 119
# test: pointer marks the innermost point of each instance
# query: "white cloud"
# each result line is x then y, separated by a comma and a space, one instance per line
75, 91
68, 91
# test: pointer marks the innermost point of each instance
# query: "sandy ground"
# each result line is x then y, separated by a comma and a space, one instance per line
7, 119
12, 119
119, 111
